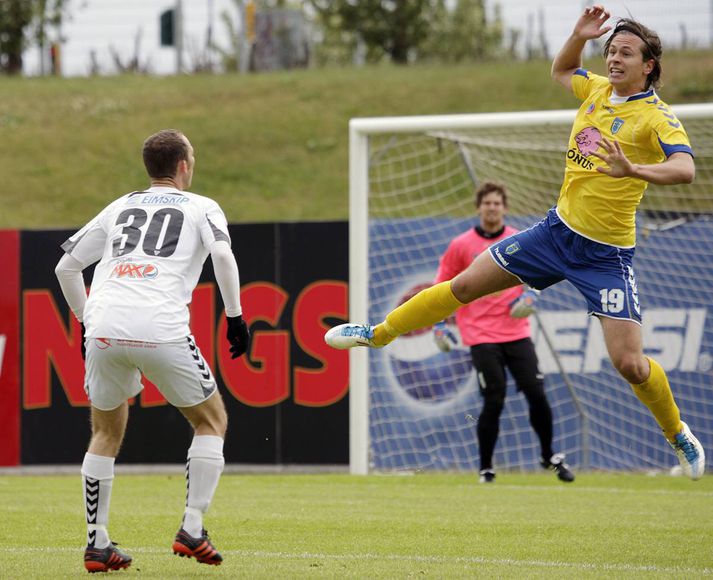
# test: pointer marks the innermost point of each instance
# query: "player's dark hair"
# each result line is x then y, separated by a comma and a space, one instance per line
651, 49
491, 187
162, 152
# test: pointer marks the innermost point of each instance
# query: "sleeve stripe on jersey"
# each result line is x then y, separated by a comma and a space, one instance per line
220, 235
669, 150
70, 244
582, 73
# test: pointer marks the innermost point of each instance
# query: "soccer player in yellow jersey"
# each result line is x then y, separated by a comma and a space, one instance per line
623, 138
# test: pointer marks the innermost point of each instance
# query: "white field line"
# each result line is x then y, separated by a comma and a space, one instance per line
570, 488
433, 559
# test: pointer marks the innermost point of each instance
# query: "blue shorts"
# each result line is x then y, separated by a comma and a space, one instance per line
550, 252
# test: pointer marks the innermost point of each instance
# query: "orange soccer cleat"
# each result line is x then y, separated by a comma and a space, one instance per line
199, 548
105, 559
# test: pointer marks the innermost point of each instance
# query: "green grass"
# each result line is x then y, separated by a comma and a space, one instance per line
270, 147
439, 526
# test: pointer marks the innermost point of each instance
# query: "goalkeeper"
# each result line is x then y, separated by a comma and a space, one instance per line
623, 138
498, 333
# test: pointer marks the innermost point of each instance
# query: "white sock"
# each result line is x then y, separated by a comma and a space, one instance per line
97, 478
203, 469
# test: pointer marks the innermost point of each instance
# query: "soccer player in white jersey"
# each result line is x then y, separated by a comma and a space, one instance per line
150, 246
623, 138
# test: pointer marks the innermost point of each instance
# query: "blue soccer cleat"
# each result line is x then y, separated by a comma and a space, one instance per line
350, 335
690, 453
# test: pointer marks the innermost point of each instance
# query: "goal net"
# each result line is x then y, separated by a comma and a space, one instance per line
415, 408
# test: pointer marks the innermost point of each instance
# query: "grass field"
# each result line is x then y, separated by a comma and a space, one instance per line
438, 526
270, 147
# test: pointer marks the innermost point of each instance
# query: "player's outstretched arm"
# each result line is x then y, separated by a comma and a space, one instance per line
589, 26
228, 278
678, 168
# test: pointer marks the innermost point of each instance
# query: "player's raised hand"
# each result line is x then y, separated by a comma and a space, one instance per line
617, 162
238, 336
592, 23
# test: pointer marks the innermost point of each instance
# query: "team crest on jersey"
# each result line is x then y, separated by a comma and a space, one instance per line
134, 271
512, 248
590, 109
616, 124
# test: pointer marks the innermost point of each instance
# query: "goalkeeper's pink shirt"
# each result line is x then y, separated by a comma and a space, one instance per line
486, 319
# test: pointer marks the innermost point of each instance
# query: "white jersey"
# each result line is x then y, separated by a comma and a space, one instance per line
151, 246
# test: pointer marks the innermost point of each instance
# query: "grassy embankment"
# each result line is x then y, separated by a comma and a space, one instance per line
269, 147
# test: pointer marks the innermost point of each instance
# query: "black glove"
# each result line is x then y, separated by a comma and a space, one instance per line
82, 345
238, 336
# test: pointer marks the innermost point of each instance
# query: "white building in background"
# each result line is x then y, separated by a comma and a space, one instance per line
679, 23
129, 28
98, 28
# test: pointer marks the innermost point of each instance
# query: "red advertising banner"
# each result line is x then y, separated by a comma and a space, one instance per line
287, 398
9, 348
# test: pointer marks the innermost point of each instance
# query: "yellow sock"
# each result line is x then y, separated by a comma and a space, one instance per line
426, 308
655, 393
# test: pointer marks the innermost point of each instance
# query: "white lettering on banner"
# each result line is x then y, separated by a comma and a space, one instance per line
673, 336
3, 341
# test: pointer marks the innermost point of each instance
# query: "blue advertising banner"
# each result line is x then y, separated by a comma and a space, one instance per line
424, 403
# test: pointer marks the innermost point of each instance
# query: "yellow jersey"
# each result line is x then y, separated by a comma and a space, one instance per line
595, 205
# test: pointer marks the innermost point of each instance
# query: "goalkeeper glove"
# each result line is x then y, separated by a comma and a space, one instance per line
524, 305
238, 336
443, 337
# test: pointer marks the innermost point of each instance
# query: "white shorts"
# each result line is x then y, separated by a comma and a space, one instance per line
114, 367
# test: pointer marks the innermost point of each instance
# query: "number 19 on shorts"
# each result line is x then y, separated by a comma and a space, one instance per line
612, 300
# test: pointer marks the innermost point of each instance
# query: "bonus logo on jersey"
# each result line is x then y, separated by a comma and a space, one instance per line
423, 372
588, 140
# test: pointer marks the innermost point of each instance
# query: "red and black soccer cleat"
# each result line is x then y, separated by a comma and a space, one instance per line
105, 559
199, 548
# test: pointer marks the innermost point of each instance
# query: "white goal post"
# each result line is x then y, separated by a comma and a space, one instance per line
411, 182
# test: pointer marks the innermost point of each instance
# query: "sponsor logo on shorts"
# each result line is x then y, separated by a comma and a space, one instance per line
500, 257
512, 248
134, 271
136, 343
102, 343
616, 125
